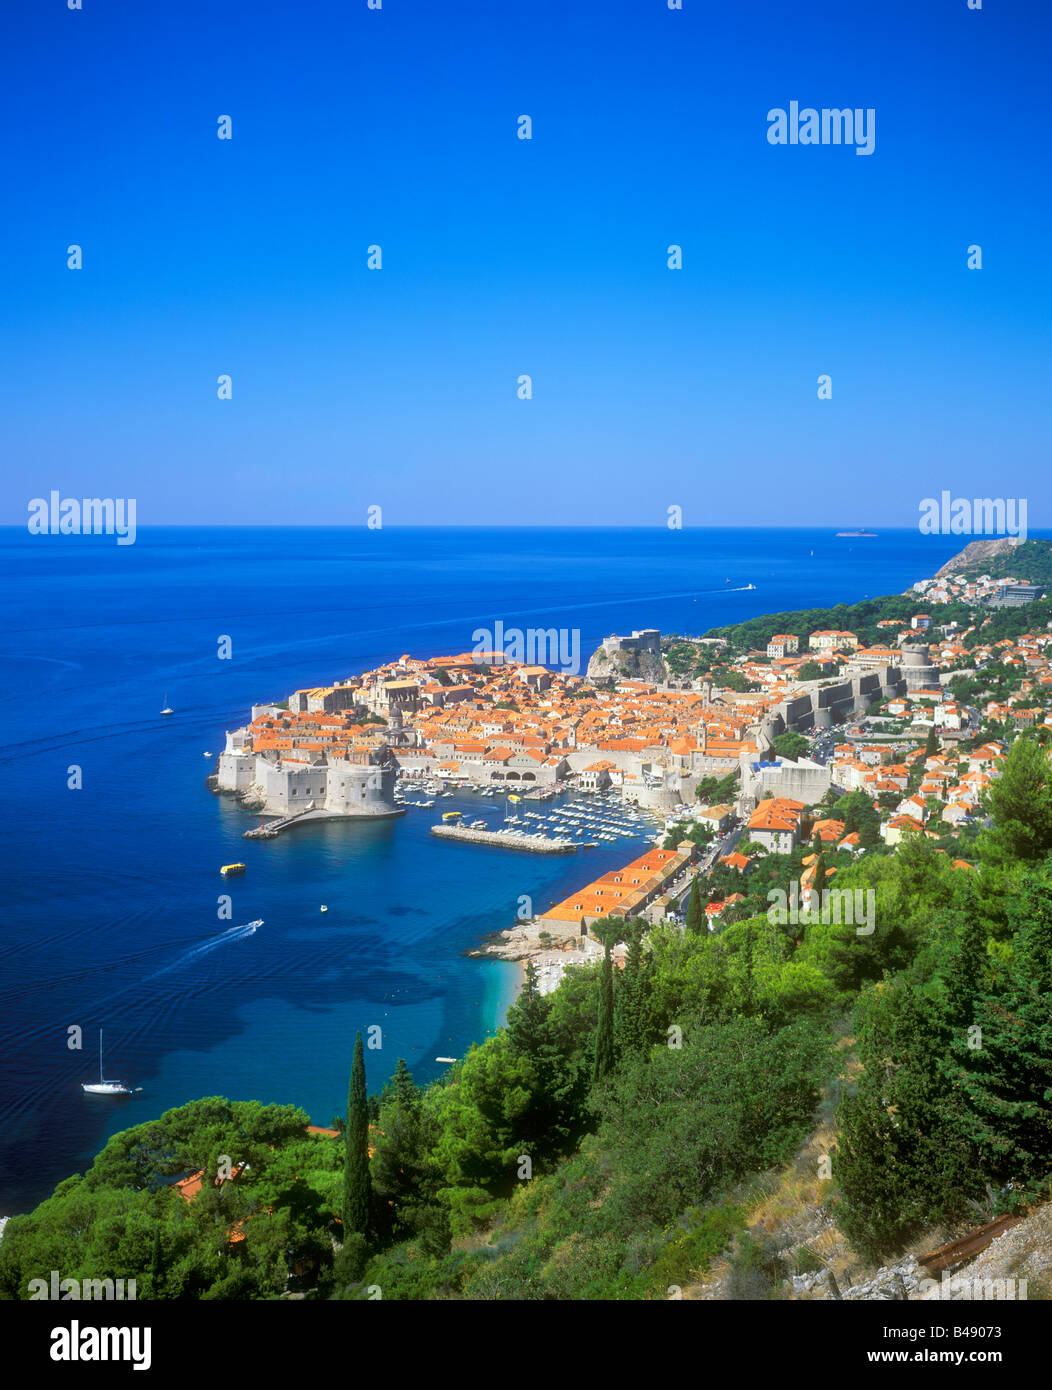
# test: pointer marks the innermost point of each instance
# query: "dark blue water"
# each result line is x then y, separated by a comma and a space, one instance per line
110, 892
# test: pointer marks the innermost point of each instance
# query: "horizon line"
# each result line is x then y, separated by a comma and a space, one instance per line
530, 526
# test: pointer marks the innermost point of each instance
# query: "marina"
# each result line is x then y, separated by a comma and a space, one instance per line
580, 819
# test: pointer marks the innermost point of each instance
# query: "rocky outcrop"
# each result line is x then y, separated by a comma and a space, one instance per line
635, 658
976, 553
527, 941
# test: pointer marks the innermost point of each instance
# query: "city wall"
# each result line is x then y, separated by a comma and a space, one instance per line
823, 706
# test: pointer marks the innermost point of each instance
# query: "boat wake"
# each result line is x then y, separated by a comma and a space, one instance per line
225, 938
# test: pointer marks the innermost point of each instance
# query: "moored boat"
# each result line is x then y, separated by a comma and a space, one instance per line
102, 1087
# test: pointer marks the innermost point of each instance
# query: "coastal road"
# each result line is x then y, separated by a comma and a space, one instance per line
681, 886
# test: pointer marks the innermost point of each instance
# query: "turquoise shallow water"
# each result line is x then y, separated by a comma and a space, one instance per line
110, 902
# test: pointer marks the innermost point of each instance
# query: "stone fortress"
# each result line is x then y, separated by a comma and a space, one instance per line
629, 658
355, 782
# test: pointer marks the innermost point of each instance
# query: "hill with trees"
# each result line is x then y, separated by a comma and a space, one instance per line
1029, 561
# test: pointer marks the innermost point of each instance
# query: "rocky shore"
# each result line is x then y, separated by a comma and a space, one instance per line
551, 951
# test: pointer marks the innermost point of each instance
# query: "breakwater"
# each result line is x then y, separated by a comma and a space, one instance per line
275, 827
504, 839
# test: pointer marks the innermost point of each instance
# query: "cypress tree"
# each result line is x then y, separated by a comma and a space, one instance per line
818, 882
157, 1281
966, 975
695, 909
748, 994
604, 1032
931, 743
356, 1182
632, 1024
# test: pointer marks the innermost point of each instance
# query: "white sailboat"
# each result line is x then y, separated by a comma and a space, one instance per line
166, 709
103, 1087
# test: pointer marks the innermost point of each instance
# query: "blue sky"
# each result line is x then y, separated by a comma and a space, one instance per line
398, 387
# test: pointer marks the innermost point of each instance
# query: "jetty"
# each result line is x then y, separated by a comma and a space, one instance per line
504, 839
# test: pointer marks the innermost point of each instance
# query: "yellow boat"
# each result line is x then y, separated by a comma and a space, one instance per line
452, 815
232, 869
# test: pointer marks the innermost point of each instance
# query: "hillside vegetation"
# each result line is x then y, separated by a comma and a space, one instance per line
605, 1143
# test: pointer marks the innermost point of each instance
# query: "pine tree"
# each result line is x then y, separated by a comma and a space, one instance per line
695, 909
550, 1085
528, 1016
902, 1161
356, 1182
604, 1032
1020, 801
404, 1090
1003, 1073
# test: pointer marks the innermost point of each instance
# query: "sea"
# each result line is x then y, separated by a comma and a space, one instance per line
111, 840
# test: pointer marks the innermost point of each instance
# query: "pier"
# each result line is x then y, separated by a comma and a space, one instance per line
504, 839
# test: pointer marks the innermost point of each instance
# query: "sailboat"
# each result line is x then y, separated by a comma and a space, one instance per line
166, 709
103, 1087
